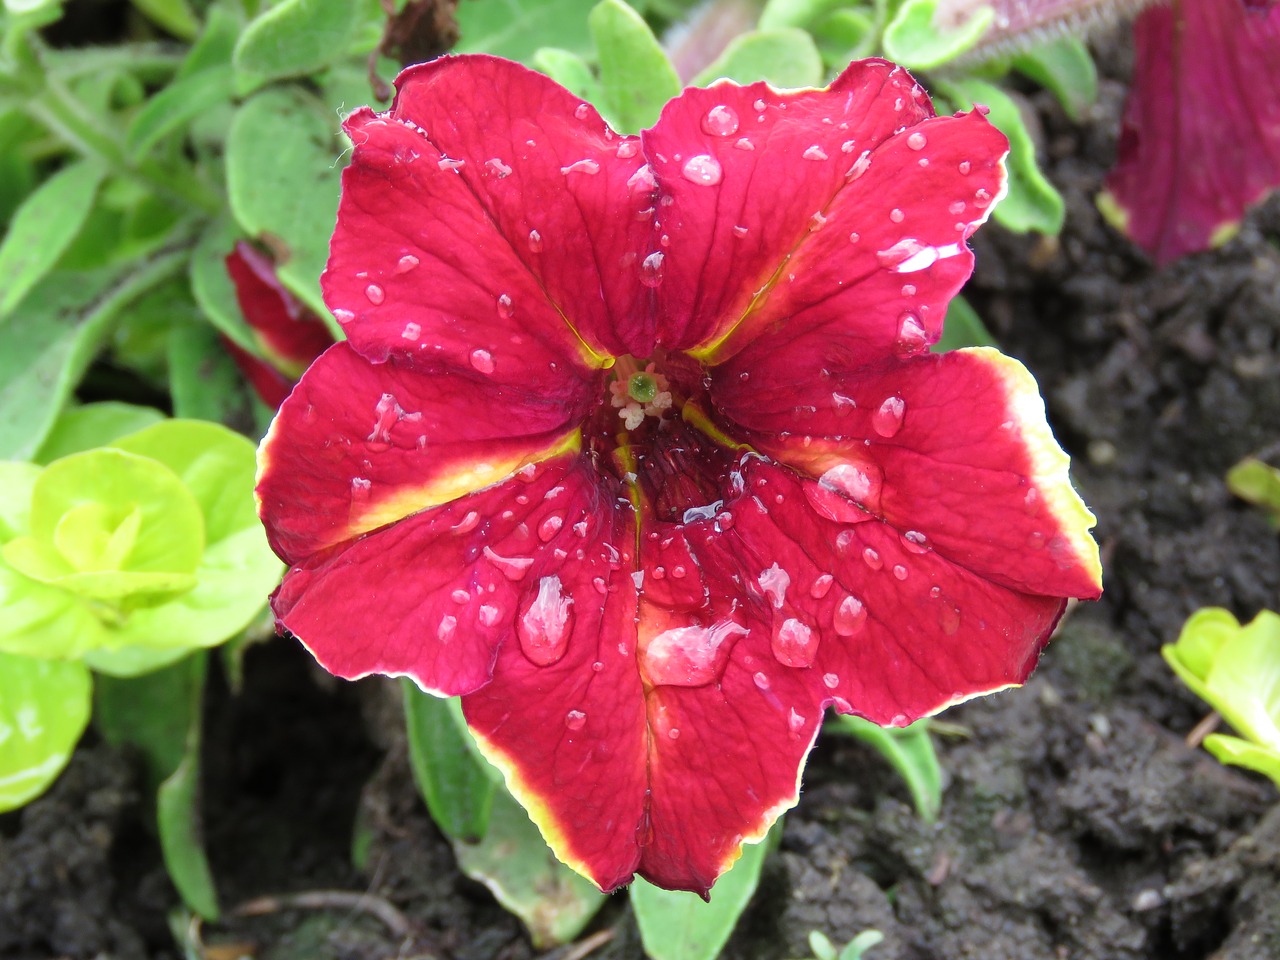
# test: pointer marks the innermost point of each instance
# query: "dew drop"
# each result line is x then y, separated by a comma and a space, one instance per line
831, 680
489, 615
814, 152
949, 618
720, 121
872, 558
855, 237
912, 338
900, 571
847, 146
965, 167
497, 168
448, 163
467, 523
759, 106
460, 596
651, 270
587, 166
739, 232
915, 542
343, 316
760, 680
689, 656
908, 289
794, 643
981, 198
774, 583
550, 526
575, 719
860, 483
544, 625
849, 616
795, 723
406, 263
956, 208
602, 588
375, 294
627, 149
820, 586
703, 169
582, 111
535, 241
917, 141
887, 420
597, 666
448, 627
1035, 541
674, 733
896, 215
482, 360
513, 568
360, 488
742, 143
505, 309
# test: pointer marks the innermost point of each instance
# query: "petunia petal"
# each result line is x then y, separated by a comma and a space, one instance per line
831, 254
291, 335
360, 445
492, 210
434, 596
1201, 135
952, 450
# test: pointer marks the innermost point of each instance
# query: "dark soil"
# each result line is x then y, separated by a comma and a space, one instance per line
1077, 825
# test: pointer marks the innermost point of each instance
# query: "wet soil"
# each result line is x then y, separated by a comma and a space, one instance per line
1077, 825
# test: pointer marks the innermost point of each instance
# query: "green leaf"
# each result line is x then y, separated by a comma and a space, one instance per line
570, 71
909, 751
44, 227
1064, 67
778, 14
283, 171
677, 925
785, 58
514, 862
44, 706
859, 945
17, 482
845, 35
636, 78
203, 380
91, 425
1032, 203
175, 16
294, 38
1258, 483
516, 29
211, 284
454, 780
914, 40
176, 105
963, 328
1242, 753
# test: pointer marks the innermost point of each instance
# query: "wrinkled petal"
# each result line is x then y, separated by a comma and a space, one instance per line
490, 210
434, 596
830, 254
1200, 141
360, 445
952, 450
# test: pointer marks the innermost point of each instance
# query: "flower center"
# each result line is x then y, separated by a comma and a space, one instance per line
638, 392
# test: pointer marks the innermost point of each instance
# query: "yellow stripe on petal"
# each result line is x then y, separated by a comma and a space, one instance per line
1049, 462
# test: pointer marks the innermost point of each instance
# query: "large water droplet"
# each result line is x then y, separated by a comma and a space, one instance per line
505, 309
482, 360
821, 586
651, 270
587, 166
550, 526
513, 568
575, 719
544, 626
794, 643
703, 169
849, 616
448, 627
774, 583
375, 294
795, 723
917, 141
915, 541
406, 263
896, 215
872, 558
689, 656
912, 338
887, 420
720, 121
627, 149
582, 111
861, 483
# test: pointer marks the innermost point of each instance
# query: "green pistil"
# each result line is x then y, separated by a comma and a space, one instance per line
642, 387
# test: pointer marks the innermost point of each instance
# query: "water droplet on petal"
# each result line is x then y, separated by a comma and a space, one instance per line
720, 121
896, 215
821, 586
482, 360
651, 270
498, 168
550, 526
460, 596
375, 294
703, 169
535, 241
575, 719
627, 149
513, 568
831, 680
448, 163
587, 166
411, 331
742, 143
981, 198
582, 111
912, 338
406, 263
760, 680
887, 420
505, 309
900, 571
597, 666
489, 615
949, 618
872, 558
674, 733
915, 541
774, 583
855, 237
544, 625
448, 627
739, 232
861, 483
814, 152
956, 208
965, 167
849, 616
794, 643
795, 723
917, 141
689, 656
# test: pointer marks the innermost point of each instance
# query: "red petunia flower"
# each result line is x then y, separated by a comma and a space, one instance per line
1201, 136
636, 444
289, 335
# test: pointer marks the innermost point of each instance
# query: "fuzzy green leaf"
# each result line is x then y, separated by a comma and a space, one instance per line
914, 39
294, 38
1065, 68
785, 58
454, 780
636, 77
516, 29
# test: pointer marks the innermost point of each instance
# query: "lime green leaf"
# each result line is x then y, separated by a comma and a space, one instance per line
283, 171
1242, 753
44, 706
175, 16
454, 780
1065, 68
795, 13
17, 481
91, 425
1032, 203
915, 40
909, 751
1257, 483
963, 328
175, 105
570, 71
294, 38
44, 227
845, 35
785, 58
515, 29
636, 78
677, 925
514, 862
